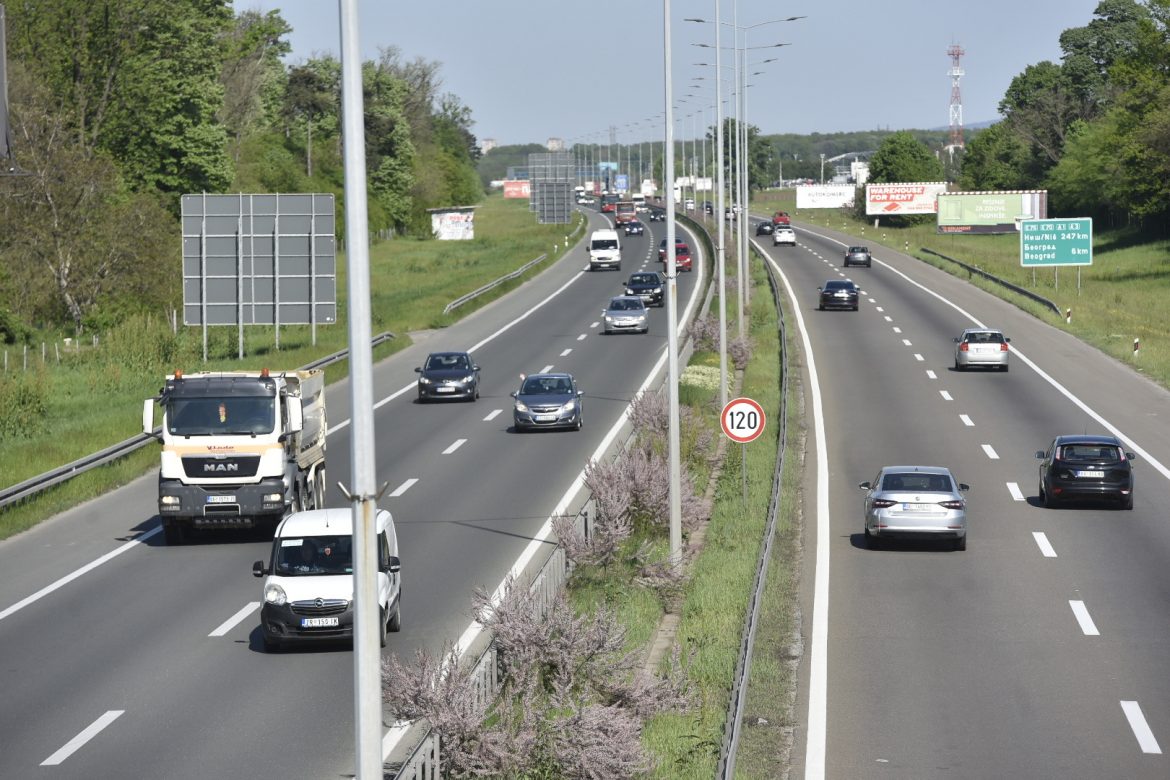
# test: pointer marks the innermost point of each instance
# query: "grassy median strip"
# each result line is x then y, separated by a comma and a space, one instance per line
58, 412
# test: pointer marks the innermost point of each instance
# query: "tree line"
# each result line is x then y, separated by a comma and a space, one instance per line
119, 108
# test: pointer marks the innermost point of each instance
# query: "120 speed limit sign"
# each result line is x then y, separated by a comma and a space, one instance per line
742, 420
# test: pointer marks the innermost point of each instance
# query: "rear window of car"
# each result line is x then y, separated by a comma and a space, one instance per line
984, 338
835, 285
1090, 452
917, 482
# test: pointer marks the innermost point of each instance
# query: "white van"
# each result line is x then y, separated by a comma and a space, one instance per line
639, 202
605, 250
308, 585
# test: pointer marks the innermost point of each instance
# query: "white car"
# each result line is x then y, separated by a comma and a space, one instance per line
783, 234
308, 581
689, 204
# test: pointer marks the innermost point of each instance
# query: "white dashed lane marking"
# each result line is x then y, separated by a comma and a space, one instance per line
458, 443
235, 619
945, 395
493, 415
1045, 546
91, 731
1141, 729
930, 374
1014, 489
566, 352
546, 369
918, 357
405, 486
907, 342
1083, 619
991, 453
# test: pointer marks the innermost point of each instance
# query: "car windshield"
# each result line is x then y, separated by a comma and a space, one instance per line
240, 415
643, 279
446, 362
917, 482
1090, 452
626, 304
984, 338
307, 556
605, 243
546, 385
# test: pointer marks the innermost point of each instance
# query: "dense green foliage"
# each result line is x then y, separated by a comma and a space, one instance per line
119, 108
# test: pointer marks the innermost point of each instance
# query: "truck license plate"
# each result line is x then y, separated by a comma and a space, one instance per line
318, 622
221, 499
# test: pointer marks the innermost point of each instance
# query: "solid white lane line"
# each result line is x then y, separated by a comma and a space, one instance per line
75, 744
493, 415
918, 357
546, 369
991, 453
967, 420
930, 374
945, 395
907, 342
566, 352
583, 336
1046, 548
68, 578
458, 443
1141, 729
1014, 489
1082, 615
235, 619
405, 486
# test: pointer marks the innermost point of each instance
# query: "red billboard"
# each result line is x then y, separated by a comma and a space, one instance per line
517, 188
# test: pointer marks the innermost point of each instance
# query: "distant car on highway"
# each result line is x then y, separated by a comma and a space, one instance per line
915, 501
548, 401
838, 294
858, 255
764, 229
1086, 468
647, 285
781, 218
783, 234
689, 204
625, 314
981, 347
657, 215
448, 375
682, 255
634, 228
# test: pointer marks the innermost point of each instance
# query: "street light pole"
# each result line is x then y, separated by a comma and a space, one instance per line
674, 447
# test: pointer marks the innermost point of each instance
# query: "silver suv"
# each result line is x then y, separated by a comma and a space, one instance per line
858, 255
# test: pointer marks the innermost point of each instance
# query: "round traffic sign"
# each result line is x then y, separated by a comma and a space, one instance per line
742, 420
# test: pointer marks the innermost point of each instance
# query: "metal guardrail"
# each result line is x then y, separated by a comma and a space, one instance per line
33, 486
736, 703
1013, 287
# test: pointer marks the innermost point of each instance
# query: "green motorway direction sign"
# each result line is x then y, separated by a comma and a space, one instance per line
1056, 242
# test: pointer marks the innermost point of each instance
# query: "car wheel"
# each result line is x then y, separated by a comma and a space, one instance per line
395, 624
961, 543
1128, 502
1046, 499
1003, 368
871, 540
580, 421
869, 265
382, 629
821, 307
854, 308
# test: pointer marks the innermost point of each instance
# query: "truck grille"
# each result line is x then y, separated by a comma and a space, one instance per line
202, 467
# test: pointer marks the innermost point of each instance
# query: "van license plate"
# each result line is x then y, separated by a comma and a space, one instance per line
221, 499
318, 622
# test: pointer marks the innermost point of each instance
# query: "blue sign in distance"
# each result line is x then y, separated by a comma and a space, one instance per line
1056, 242
621, 182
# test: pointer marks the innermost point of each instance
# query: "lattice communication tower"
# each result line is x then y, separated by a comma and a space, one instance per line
956, 72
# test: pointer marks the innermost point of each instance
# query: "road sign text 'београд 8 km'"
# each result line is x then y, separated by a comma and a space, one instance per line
1056, 242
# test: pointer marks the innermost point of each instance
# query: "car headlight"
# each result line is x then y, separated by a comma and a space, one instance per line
520, 407
422, 380
629, 291
274, 594
570, 406
467, 379
609, 318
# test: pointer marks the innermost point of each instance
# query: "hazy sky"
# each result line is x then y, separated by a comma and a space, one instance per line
534, 70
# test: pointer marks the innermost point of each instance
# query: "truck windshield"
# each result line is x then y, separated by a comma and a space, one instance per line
238, 415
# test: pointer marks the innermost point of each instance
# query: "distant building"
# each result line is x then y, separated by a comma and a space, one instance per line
556, 144
487, 145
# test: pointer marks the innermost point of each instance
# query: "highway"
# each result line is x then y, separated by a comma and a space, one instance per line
122, 657
1040, 651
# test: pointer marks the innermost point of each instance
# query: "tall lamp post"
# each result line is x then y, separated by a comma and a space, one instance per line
673, 445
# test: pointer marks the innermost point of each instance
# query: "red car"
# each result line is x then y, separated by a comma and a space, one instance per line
780, 218
682, 254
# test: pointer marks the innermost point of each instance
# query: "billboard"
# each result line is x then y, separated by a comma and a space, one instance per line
903, 197
453, 224
989, 212
825, 196
518, 188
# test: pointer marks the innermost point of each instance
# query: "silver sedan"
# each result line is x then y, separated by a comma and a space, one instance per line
915, 501
626, 313
981, 347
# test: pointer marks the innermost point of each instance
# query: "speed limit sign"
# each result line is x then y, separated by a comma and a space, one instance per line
742, 420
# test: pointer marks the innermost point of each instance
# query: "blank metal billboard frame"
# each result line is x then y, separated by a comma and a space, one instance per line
259, 259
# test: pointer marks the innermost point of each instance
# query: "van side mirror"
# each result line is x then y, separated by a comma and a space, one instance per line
258, 569
393, 565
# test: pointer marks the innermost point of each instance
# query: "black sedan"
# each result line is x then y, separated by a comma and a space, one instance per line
647, 285
635, 228
764, 229
448, 375
1086, 468
657, 215
548, 401
838, 294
